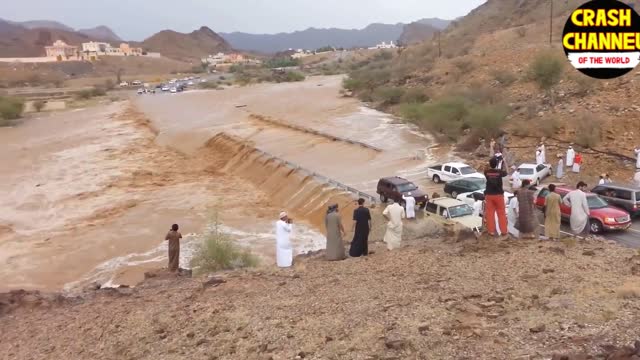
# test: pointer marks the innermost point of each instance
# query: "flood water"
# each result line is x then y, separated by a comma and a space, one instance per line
88, 195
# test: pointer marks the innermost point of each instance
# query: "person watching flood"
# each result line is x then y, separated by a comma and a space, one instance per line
362, 226
335, 231
174, 236
284, 250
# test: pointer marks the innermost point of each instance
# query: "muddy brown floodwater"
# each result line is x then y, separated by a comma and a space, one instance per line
88, 195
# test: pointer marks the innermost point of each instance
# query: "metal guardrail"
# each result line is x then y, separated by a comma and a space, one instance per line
323, 178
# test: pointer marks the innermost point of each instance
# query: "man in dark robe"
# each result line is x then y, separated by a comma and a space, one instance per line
362, 224
174, 236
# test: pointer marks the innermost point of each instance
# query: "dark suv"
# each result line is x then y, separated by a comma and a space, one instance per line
395, 187
623, 196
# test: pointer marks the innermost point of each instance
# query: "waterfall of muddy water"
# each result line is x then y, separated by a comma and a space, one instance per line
88, 196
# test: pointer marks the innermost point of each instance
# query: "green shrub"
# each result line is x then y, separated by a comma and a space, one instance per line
10, 109
584, 85
588, 131
282, 62
415, 95
219, 252
289, 76
389, 95
90, 93
464, 65
505, 78
109, 84
487, 119
38, 105
546, 70
549, 125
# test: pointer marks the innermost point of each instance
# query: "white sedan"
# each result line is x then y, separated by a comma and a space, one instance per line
467, 198
534, 173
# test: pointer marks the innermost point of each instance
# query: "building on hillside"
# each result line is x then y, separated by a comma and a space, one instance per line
130, 51
384, 45
229, 59
92, 50
61, 51
299, 54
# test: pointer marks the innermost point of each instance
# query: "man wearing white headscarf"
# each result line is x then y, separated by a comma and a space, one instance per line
571, 155
539, 159
410, 206
395, 213
637, 151
284, 250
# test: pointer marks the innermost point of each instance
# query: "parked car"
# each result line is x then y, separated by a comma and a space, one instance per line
141, 91
452, 171
626, 197
395, 187
173, 90
602, 217
534, 173
136, 83
165, 88
190, 83
124, 84
468, 198
454, 210
456, 187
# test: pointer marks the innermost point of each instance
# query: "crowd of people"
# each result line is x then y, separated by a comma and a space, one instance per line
503, 217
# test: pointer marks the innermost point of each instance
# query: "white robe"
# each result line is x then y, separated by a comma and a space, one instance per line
571, 155
560, 169
516, 182
575, 168
284, 250
577, 200
477, 208
512, 217
393, 236
637, 150
543, 151
636, 178
410, 204
601, 182
539, 158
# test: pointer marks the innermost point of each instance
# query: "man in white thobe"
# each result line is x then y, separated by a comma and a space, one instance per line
637, 151
516, 182
539, 159
410, 205
543, 151
284, 250
577, 200
512, 216
395, 213
636, 178
571, 155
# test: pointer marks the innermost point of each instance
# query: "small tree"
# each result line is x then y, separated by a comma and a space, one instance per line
119, 73
38, 105
546, 70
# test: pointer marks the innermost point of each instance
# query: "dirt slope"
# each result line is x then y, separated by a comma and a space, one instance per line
431, 300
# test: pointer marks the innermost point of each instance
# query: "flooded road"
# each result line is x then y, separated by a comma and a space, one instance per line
88, 195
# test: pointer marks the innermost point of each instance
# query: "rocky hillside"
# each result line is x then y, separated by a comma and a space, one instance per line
101, 32
416, 33
181, 46
486, 60
434, 299
19, 41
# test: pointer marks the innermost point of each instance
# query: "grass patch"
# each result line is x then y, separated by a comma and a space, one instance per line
546, 70
505, 78
219, 252
38, 105
549, 125
10, 109
588, 131
91, 93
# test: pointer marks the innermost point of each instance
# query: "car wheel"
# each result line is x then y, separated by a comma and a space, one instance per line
436, 179
454, 194
383, 198
596, 227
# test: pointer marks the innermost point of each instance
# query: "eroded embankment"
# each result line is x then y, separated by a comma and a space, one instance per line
293, 190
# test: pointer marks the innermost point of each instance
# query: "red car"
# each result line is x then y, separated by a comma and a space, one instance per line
602, 218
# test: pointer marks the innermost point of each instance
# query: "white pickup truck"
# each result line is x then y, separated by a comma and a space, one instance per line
452, 171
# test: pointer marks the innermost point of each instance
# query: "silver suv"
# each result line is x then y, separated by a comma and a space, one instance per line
623, 196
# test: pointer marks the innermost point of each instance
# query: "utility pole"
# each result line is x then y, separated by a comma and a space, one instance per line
551, 24
439, 47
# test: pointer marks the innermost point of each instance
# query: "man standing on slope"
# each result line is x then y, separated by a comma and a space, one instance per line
410, 206
571, 155
494, 199
577, 200
395, 213
362, 226
637, 151
284, 250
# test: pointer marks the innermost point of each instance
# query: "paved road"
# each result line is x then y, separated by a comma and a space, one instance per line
629, 238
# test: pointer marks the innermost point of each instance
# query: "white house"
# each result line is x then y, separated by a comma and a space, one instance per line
384, 45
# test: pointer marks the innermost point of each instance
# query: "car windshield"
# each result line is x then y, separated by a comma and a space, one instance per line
407, 187
478, 182
595, 202
467, 170
526, 171
460, 210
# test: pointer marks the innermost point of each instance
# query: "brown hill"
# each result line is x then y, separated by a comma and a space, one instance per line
416, 32
190, 46
19, 41
101, 32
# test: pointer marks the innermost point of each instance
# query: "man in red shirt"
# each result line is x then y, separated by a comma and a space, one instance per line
494, 198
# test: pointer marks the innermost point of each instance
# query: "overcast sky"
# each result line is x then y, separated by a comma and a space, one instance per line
138, 19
